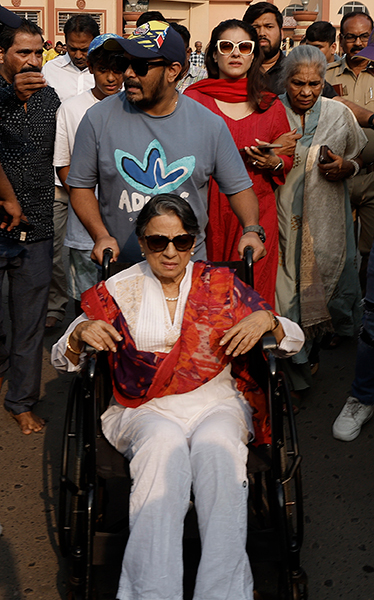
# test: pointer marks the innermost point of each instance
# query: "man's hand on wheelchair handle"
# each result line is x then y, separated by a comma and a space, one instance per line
252, 239
101, 243
245, 334
98, 334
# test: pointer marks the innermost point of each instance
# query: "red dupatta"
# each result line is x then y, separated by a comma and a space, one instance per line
217, 301
229, 90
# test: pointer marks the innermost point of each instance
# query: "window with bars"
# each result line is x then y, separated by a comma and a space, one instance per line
64, 16
289, 10
32, 15
353, 7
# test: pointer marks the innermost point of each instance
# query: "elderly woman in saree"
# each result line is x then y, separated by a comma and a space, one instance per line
317, 281
172, 328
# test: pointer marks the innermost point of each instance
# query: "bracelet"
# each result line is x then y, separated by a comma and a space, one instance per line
356, 167
275, 320
280, 165
371, 121
70, 347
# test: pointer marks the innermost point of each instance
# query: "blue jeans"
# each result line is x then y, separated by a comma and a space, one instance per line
29, 269
363, 384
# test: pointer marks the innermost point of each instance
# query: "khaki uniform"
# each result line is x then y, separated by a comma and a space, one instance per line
359, 89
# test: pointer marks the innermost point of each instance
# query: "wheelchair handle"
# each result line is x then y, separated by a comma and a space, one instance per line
107, 256
248, 265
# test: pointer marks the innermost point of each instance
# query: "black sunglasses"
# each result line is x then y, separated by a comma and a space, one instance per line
140, 66
158, 243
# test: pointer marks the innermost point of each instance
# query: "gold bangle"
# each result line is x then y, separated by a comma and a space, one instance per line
70, 347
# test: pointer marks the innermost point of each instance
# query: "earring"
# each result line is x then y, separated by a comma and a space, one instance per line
192, 253
143, 255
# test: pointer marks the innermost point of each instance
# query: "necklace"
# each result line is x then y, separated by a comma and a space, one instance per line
171, 299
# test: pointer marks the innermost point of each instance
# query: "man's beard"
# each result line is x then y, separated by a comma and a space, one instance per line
146, 103
271, 51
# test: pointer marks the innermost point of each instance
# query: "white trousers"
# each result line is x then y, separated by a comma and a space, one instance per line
164, 463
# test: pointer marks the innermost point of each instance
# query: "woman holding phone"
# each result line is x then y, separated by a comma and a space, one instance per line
317, 280
236, 91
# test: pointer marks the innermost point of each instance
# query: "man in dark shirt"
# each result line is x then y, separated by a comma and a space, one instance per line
27, 130
268, 22
12, 215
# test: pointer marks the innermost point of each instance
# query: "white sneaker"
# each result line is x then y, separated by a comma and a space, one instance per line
347, 425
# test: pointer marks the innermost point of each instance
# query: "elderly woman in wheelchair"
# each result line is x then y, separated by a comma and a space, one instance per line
172, 328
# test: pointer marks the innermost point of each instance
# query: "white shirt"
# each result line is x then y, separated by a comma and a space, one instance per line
69, 115
67, 81
66, 78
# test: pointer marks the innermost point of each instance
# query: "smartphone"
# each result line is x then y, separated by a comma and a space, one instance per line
267, 146
264, 147
323, 157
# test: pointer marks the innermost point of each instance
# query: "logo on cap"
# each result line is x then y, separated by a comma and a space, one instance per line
153, 34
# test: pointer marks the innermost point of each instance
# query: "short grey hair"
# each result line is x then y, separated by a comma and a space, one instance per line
303, 56
163, 204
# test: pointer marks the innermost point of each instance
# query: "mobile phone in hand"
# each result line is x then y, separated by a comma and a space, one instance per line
323, 157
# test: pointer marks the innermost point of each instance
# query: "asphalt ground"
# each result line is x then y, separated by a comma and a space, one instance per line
338, 486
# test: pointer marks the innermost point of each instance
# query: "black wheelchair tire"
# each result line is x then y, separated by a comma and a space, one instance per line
66, 484
290, 499
76, 498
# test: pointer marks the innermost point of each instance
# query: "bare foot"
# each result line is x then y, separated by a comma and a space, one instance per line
29, 422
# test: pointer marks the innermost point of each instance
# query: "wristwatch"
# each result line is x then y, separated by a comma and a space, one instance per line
371, 121
256, 229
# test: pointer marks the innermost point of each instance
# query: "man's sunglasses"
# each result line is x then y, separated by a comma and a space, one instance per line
158, 243
140, 66
226, 47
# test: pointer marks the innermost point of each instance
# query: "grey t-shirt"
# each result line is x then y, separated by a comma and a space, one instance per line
133, 156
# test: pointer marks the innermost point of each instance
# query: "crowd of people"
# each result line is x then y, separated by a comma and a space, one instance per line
173, 158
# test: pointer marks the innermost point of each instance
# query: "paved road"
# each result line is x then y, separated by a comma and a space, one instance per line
338, 485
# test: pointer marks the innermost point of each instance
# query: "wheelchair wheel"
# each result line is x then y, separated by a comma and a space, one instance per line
67, 486
290, 498
77, 486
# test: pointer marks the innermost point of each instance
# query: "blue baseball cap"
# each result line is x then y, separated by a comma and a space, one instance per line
99, 40
155, 39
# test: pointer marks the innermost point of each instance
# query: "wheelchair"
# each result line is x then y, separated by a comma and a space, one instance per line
93, 529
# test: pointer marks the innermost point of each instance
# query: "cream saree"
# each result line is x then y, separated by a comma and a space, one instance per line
317, 281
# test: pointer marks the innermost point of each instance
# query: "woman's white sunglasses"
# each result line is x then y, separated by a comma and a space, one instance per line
226, 47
